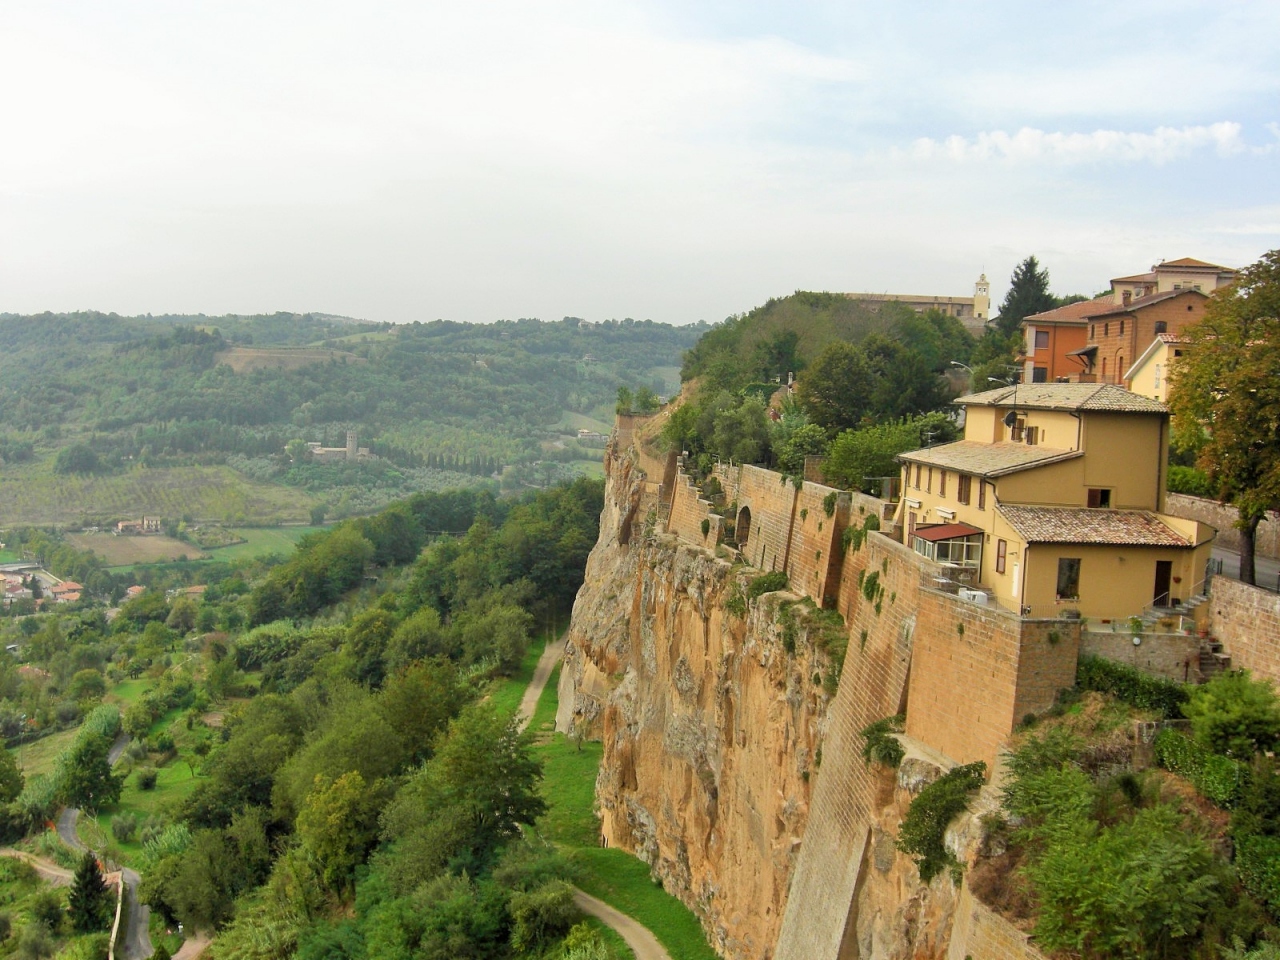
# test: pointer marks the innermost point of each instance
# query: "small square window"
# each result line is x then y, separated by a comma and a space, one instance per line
1042, 339
1100, 497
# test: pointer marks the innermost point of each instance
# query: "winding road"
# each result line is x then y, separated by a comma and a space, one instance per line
137, 937
642, 942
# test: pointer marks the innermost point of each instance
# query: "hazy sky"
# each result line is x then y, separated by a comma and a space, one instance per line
672, 160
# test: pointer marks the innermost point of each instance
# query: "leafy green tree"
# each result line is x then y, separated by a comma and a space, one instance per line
90, 902
540, 917
11, 779
857, 455
338, 824
87, 780
1028, 293
467, 801
806, 440
77, 458
418, 703
1235, 715
87, 684
835, 390
1225, 397
419, 637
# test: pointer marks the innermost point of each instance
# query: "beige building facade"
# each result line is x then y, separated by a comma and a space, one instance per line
1149, 375
973, 312
1054, 502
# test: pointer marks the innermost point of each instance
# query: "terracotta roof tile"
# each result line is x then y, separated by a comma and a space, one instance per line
1191, 262
987, 459
1131, 528
1098, 397
1080, 311
1141, 303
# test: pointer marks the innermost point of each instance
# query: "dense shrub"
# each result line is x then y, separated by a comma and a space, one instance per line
922, 830
1189, 480
766, 583
1235, 715
1216, 777
881, 746
1131, 686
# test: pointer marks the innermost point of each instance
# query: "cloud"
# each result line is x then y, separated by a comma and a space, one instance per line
1029, 144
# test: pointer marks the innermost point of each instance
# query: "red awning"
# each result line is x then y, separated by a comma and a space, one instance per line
946, 531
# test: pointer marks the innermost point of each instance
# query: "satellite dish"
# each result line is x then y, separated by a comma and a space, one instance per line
1010, 418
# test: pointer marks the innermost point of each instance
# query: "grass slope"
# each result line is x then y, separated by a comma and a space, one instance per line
261, 541
614, 876
32, 494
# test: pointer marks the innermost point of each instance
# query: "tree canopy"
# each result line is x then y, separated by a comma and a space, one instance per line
1028, 293
1225, 397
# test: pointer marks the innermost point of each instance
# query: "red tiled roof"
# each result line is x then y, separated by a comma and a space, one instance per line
1079, 311
1141, 303
1136, 278
1086, 525
1191, 262
945, 531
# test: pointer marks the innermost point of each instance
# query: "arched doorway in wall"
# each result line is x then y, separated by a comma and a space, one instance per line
742, 530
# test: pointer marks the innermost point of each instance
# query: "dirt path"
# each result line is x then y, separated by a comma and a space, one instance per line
643, 943
46, 869
192, 948
137, 934
541, 674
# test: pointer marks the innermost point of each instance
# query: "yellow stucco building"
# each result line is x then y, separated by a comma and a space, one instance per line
1149, 375
1053, 503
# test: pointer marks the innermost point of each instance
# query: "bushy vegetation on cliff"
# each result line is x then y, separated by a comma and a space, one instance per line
1106, 858
868, 380
334, 783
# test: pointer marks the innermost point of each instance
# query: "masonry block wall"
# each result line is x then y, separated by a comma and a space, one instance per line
1222, 518
769, 499
977, 671
688, 512
981, 934
846, 794
1171, 656
1246, 620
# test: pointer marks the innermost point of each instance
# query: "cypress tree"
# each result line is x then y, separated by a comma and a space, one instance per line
1028, 294
90, 901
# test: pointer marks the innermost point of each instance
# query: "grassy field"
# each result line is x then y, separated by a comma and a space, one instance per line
8, 556
260, 541
126, 551
589, 468
31, 493
611, 875
505, 694
247, 359
38, 756
580, 421
127, 692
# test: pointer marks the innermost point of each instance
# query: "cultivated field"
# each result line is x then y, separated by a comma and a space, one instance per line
246, 359
124, 551
262, 541
31, 493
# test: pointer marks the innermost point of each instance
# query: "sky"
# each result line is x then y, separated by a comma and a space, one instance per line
677, 161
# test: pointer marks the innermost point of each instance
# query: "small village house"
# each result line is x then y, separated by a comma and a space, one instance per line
1053, 504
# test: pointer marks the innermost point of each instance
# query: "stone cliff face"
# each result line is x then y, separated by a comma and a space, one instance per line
711, 729
715, 718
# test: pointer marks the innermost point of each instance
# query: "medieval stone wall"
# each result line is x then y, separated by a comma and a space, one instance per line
1171, 656
979, 933
1246, 620
1223, 518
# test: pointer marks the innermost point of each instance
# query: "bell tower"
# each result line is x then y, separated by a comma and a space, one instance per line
982, 299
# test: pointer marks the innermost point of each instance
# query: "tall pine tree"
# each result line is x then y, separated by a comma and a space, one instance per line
1028, 294
90, 901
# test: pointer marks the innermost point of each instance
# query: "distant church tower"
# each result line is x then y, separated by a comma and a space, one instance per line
982, 299
351, 445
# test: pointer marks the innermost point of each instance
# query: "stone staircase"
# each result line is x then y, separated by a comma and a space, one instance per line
1212, 660
1153, 615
